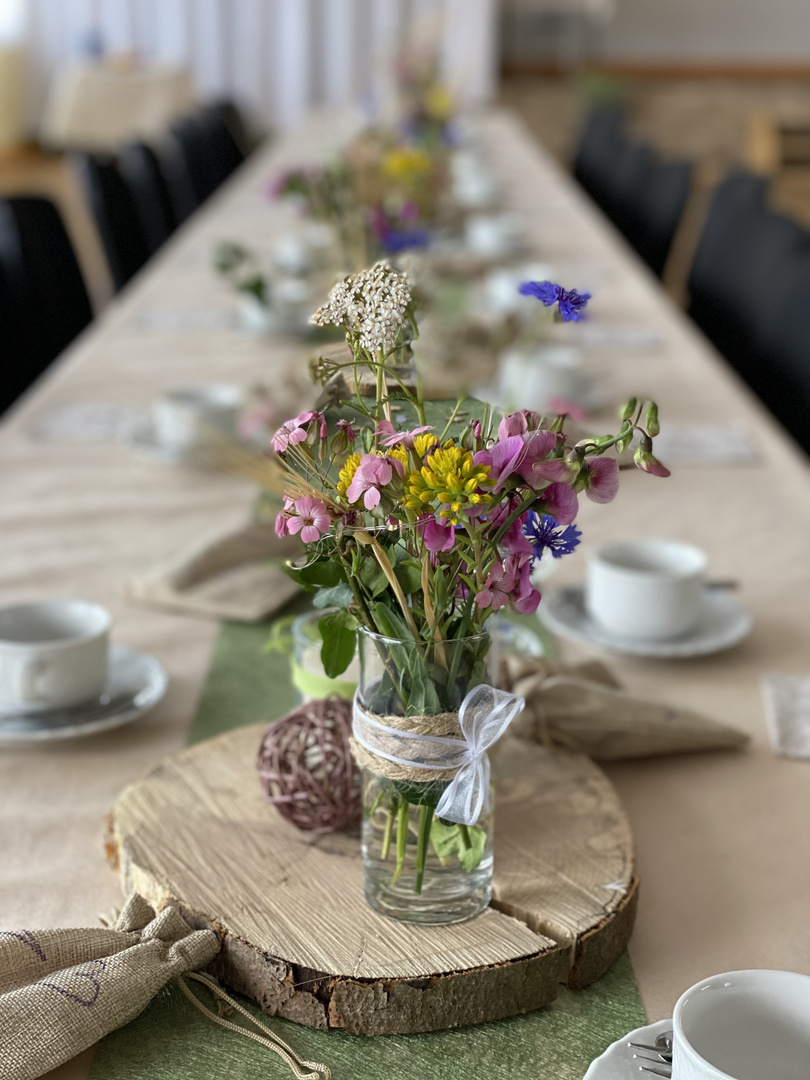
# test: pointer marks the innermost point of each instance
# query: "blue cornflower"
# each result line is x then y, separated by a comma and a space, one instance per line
544, 534
570, 303
396, 240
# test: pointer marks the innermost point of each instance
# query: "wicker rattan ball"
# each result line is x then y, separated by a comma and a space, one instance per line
306, 768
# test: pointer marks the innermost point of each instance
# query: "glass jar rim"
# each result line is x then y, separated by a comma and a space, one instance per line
480, 636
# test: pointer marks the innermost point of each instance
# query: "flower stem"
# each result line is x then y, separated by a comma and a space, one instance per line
402, 839
389, 830
425, 823
464, 833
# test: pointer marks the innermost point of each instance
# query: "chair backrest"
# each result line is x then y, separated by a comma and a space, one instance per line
226, 153
190, 165
599, 141
44, 297
140, 171
231, 116
659, 211
115, 215
781, 376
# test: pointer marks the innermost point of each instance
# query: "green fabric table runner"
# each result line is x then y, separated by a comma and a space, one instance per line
171, 1040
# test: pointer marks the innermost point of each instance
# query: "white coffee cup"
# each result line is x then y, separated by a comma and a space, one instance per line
186, 418
53, 654
646, 589
743, 1025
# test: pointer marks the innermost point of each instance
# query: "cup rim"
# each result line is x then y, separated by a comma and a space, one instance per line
602, 559
677, 1023
60, 642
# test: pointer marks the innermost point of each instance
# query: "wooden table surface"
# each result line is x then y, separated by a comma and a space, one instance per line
722, 839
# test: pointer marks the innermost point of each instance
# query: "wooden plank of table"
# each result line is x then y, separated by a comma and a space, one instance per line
721, 838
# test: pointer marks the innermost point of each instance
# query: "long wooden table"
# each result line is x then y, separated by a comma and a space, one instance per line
722, 839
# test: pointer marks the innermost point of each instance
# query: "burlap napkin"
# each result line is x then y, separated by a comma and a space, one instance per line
63, 990
583, 707
232, 574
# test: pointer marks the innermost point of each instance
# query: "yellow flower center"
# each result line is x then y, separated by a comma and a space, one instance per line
346, 474
449, 481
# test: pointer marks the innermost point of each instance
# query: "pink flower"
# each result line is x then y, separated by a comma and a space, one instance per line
497, 590
373, 473
281, 525
294, 431
562, 503
347, 429
398, 437
437, 537
517, 423
555, 470
539, 445
513, 539
311, 518
604, 479
650, 464
525, 598
503, 459
567, 408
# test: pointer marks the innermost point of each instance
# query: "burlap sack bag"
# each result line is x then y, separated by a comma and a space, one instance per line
63, 990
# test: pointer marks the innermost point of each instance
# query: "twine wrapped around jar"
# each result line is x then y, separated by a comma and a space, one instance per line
424, 749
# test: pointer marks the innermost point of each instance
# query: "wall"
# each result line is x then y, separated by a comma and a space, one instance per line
757, 31
276, 57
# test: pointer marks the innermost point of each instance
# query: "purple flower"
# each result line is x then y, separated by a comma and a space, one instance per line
438, 537
395, 240
544, 534
525, 598
562, 503
498, 588
570, 303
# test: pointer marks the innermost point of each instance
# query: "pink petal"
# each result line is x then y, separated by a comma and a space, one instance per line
554, 470
561, 503
371, 498
604, 479
281, 525
527, 605
295, 525
514, 424
355, 488
309, 534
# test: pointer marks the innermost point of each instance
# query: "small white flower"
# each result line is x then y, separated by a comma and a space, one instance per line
371, 303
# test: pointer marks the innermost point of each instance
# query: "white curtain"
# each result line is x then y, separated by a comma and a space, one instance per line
274, 57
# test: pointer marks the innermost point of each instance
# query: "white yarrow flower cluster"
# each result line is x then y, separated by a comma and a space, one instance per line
371, 304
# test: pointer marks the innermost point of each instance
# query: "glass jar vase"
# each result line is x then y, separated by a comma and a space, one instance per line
420, 866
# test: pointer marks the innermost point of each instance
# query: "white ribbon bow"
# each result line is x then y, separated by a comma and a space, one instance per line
484, 715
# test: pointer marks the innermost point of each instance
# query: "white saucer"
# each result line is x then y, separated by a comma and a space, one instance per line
617, 1061
723, 623
135, 684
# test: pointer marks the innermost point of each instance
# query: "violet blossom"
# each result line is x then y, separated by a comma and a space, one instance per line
603, 479
570, 303
497, 590
543, 533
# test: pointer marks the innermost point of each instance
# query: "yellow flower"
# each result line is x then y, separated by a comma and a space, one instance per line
449, 480
406, 164
346, 474
438, 102
423, 443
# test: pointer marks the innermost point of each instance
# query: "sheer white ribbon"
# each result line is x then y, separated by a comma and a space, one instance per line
484, 716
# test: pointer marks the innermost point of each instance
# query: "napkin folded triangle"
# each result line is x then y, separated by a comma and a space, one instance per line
583, 707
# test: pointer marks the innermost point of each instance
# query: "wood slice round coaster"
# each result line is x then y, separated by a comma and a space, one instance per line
297, 935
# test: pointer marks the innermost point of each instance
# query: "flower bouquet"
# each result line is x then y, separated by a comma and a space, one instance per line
417, 526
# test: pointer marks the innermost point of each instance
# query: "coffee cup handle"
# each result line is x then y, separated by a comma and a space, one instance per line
28, 680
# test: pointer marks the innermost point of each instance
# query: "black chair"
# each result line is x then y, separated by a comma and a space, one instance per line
43, 300
115, 215
781, 375
224, 148
739, 267
140, 171
599, 142
232, 118
654, 220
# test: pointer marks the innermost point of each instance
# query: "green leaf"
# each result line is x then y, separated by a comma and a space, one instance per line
339, 596
339, 635
446, 839
373, 577
322, 573
409, 576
